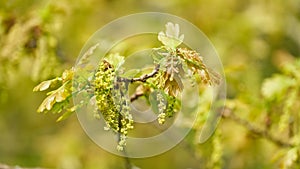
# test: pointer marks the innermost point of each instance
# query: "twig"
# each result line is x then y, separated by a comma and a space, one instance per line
146, 76
228, 113
135, 96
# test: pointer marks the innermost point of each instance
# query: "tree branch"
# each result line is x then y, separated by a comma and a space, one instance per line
146, 76
228, 113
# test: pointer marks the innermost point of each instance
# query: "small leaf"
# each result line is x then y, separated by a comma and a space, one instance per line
43, 86
171, 37
61, 95
47, 104
50, 102
47, 84
68, 74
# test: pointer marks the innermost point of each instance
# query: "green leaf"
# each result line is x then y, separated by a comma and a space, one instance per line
171, 37
55, 96
68, 74
45, 85
47, 104
276, 86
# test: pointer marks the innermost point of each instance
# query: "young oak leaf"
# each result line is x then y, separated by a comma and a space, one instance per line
47, 104
171, 37
46, 84
55, 96
66, 76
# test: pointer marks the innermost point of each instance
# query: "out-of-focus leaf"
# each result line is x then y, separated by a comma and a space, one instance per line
276, 86
291, 157
287, 110
292, 69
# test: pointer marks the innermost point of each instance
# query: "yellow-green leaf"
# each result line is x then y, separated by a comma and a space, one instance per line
276, 86
68, 74
43, 86
61, 95
47, 104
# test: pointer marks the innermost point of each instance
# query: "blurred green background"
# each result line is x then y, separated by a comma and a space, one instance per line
38, 39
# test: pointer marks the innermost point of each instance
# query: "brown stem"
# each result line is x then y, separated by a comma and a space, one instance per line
228, 113
135, 96
146, 76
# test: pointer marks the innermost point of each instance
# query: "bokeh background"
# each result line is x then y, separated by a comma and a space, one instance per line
39, 39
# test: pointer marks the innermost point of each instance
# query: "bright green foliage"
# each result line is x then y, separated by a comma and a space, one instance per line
253, 38
111, 85
58, 99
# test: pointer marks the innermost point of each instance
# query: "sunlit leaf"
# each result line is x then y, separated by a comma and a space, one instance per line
47, 104
42, 86
45, 85
68, 74
61, 95
171, 37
